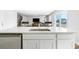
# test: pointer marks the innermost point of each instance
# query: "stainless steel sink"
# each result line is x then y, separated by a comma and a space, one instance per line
39, 30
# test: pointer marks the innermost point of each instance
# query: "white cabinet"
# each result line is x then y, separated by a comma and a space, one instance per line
39, 36
48, 41
39, 41
65, 41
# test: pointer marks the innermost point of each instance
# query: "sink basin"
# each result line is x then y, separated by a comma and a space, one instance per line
39, 30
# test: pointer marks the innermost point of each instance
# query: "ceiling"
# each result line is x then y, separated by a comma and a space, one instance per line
35, 12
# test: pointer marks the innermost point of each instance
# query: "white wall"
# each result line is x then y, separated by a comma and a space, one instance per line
73, 23
11, 19
73, 20
1, 19
8, 19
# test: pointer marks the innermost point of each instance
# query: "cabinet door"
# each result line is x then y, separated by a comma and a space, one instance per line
39, 41
29, 44
10, 41
65, 41
64, 44
47, 44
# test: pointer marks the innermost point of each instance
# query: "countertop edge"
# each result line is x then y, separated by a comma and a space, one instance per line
33, 32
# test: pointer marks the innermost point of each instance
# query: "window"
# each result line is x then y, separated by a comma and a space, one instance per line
61, 21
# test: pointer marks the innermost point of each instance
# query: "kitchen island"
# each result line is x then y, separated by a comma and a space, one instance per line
44, 39
48, 40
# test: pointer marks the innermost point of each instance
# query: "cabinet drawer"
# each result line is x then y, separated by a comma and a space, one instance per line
39, 36
65, 36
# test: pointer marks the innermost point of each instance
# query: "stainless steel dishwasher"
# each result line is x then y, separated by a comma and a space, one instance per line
10, 40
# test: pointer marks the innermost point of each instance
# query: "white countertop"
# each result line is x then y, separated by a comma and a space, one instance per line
33, 32
24, 30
